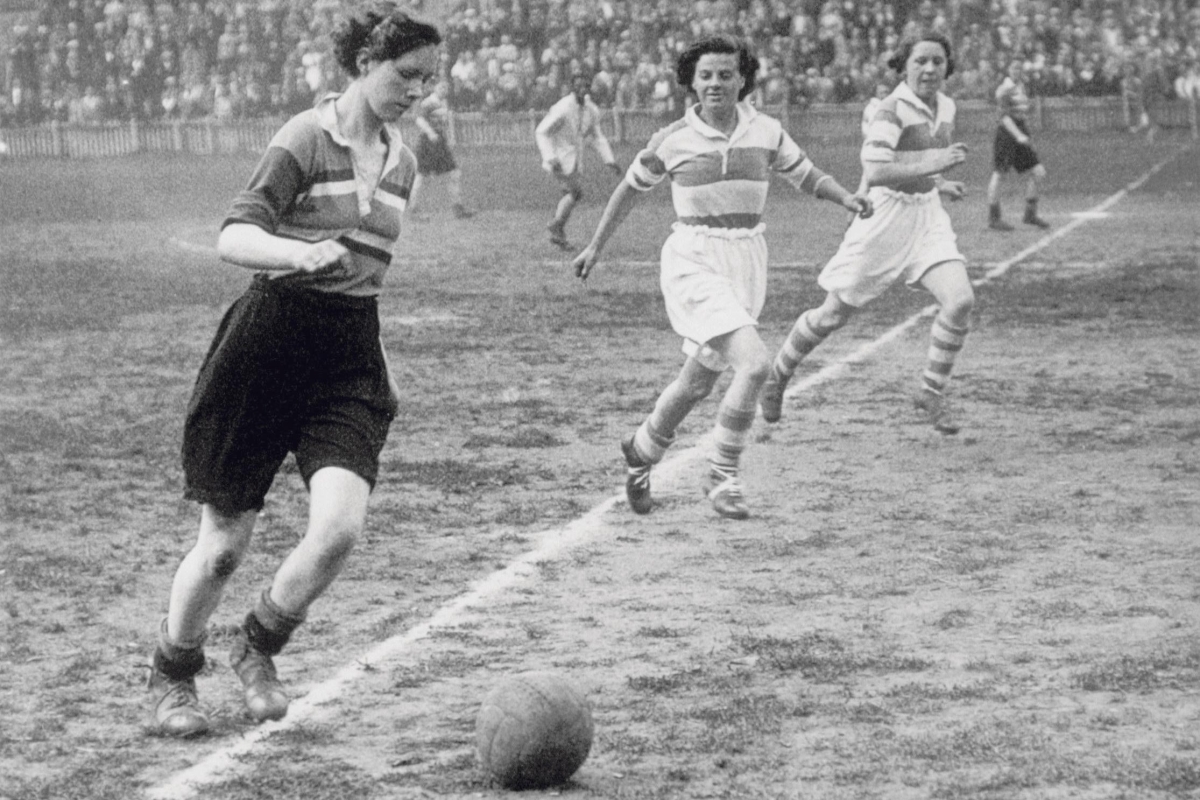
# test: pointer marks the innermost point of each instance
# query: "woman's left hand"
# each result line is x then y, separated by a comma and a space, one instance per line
860, 204
954, 190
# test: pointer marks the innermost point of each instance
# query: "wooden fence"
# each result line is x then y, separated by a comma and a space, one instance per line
516, 128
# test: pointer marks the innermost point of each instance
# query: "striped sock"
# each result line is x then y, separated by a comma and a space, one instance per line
945, 341
730, 435
801, 340
649, 444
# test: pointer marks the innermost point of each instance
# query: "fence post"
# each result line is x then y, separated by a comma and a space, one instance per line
135, 132
56, 139
176, 135
1192, 115
618, 126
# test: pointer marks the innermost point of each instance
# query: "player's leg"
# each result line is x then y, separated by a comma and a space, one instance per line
195, 593
572, 194
751, 362
951, 288
1033, 181
456, 197
995, 215
649, 443
811, 328
411, 208
337, 512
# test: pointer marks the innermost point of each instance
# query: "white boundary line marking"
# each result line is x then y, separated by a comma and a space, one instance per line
225, 761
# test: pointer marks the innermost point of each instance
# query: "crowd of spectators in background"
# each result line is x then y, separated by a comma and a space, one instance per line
97, 60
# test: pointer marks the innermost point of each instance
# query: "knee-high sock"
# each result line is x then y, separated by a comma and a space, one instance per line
801, 340
657, 433
945, 341
730, 434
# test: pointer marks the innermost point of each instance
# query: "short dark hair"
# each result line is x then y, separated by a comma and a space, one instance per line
685, 69
900, 58
381, 31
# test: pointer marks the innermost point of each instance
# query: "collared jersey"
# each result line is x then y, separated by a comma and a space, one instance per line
306, 187
1013, 99
903, 128
561, 132
719, 181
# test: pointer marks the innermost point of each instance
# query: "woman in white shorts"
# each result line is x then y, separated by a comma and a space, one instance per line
907, 147
719, 158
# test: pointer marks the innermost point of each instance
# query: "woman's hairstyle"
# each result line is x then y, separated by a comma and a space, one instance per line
900, 58
380, 31
685, 69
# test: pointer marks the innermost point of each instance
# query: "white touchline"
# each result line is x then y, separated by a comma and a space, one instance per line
225, 762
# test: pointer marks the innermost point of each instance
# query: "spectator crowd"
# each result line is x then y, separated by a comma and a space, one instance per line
97, 60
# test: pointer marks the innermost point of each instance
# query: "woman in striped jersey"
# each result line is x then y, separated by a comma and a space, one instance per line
719, 158
907, 148
297, 364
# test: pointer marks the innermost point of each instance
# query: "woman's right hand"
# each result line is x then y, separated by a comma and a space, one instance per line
320, 255
585, 261
951, 156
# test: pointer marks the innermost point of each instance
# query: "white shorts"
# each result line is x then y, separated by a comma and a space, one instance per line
907, 234
714, 281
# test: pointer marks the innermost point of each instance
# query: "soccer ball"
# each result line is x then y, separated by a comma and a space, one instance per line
533, 730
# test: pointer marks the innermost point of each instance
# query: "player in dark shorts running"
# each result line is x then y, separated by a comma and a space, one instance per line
1011, 150
297, 364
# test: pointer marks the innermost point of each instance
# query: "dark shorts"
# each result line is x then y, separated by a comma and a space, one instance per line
289, 370
1008, 154
434, 158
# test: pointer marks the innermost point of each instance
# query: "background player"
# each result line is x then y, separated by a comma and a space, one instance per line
714, 264
434, 156
907, 148
1011, 150
560, 137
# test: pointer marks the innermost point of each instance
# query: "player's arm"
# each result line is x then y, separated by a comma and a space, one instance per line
1004, 101
931, 162
248, 236
622, 200
1011, 126
543, 135
248, 245
427, 129
808, 178
600, 141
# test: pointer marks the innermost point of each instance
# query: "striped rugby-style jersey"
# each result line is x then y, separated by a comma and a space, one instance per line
903, 128
1013, 99
719, 181
305, 187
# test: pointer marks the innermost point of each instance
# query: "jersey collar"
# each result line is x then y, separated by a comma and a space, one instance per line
327, 117
745, 114
904, 92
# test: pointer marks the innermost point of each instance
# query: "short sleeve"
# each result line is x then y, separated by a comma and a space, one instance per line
882, 136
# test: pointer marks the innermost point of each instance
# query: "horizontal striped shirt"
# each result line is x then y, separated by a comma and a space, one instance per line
305, 187
1013, 99
719, 181
903, 129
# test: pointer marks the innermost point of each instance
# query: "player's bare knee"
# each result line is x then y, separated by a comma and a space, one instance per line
958, 307
338, 541
224, 562
757, 371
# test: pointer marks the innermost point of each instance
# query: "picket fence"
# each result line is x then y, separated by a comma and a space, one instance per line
492, 129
